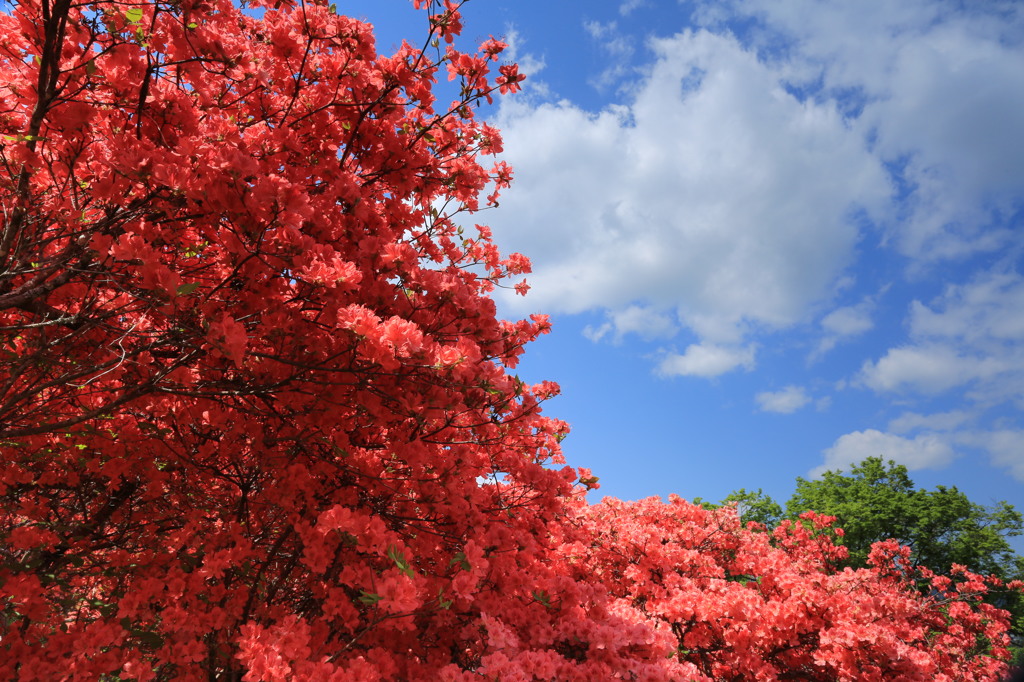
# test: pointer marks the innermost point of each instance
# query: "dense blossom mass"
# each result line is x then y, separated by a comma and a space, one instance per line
258, 419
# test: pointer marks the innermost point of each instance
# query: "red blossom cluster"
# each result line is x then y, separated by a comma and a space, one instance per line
738, 603
257, 415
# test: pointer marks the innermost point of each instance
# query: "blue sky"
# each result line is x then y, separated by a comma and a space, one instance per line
774, 236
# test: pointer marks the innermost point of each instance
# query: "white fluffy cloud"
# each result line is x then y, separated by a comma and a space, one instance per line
943, 421
928, 368
706, 360
967, 342
849, 320
729, 192
921, 441
645, 322
713, 196
970, 336
925, 451
714, 199
788, 400
940, 88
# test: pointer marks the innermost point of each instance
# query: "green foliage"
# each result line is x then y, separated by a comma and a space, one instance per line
752, 506
877, 500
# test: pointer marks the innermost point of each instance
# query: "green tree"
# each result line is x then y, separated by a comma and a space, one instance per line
753, 506
877, 500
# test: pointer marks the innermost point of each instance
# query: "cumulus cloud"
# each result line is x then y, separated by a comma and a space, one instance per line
732, 187
970, 340
937, 87
728, 192
628, 6
849, 320
617, 44
788, 400
713, 196
970, 336
530, 65
928, 368
704, 360
645, 322
925, 451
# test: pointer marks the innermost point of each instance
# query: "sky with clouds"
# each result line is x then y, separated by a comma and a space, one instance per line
774, 236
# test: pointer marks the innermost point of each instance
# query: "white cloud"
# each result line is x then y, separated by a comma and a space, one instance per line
1006, 447
986, 312
928, 368
645, 322
706, 361
729, 192
844, 323
713, 194
970, 339
849, 320
942, 439
926, 451
530, 65
788, 400
943, 421
611, 39
618, 45
628, 6
937, 87
972, 335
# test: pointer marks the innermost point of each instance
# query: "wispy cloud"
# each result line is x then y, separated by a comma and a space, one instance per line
788, 400
843, 324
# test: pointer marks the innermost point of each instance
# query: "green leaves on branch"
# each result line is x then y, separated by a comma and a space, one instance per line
395, 555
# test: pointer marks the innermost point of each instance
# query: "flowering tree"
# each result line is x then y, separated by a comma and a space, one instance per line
257, 419
253, 395
749, 604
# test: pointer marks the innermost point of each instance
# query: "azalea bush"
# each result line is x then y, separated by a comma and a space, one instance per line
746, 603
258, 416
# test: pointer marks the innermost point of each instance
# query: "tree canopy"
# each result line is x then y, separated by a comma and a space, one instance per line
877, 500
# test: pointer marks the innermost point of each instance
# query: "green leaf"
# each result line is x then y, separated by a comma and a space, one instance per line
369, 598
186, 289
193, 25
400, 561
133, 15
460, 559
